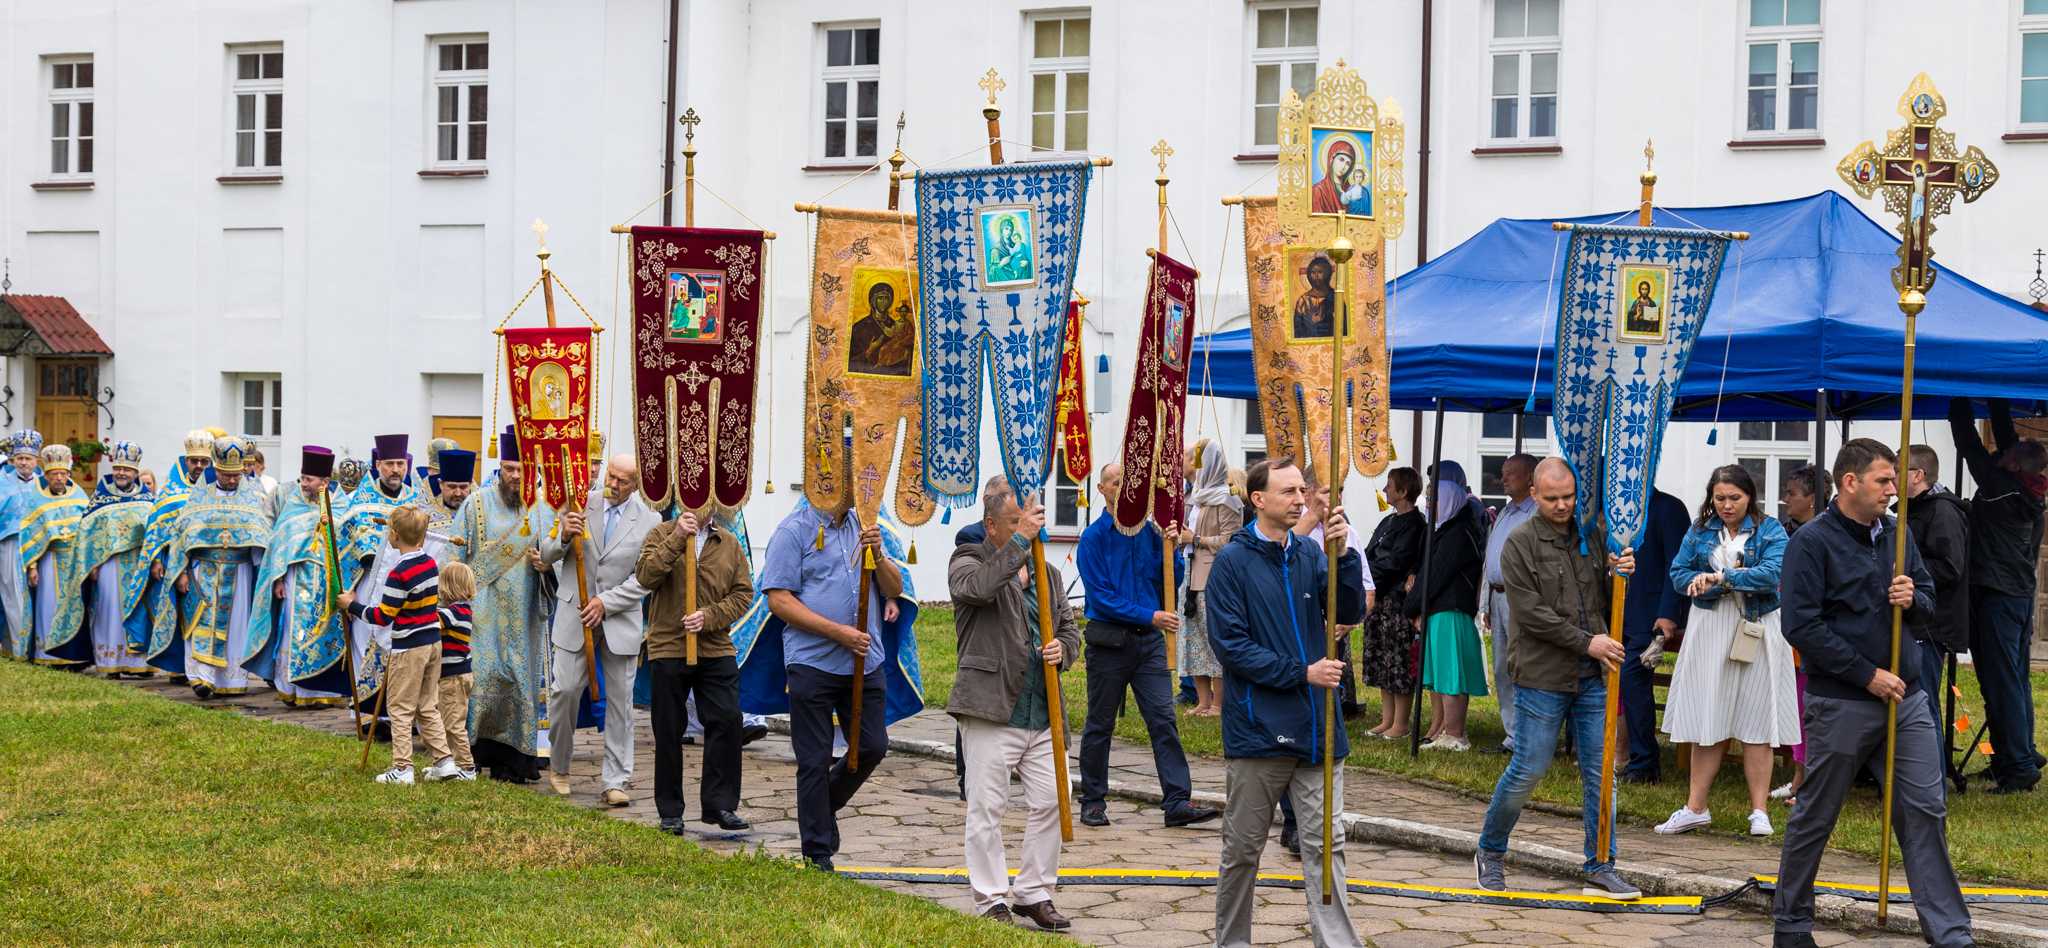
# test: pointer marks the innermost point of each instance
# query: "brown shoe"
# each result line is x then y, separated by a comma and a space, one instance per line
614, 797
1044, 915
559, 781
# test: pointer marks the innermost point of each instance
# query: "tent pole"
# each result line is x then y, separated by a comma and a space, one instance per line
1820, 432
1428, 552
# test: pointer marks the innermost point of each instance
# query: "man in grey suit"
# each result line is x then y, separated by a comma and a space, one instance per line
617, 521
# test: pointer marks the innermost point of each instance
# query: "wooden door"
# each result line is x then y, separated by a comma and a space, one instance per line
65, 407
467, 430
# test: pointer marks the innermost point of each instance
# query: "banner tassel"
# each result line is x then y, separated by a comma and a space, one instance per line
912, 558
821, 538
1711, 433
868, 557
1381, 496
945, 515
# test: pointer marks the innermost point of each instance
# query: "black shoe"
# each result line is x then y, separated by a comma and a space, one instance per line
2017, 786
1290, 839
1792, 940
1498, 749
1095, 814
1638, 776
999, 912
1190, 815
725, 820
204, 693
820, 863
672, 825
751, 733
689, 741
1044, 915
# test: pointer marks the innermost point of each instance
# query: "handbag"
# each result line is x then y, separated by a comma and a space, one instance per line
1749, 635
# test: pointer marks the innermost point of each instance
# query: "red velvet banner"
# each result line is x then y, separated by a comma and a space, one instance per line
1154, 484
551, 372
1070, 403
697, 299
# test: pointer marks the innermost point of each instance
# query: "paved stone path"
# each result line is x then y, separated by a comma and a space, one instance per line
909, 815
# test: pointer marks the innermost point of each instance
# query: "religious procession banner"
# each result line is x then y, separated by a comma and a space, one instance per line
996, 246
1154, 486
1070, 402
697, 300
862, 375
1633, 302
552, 372
1340, 163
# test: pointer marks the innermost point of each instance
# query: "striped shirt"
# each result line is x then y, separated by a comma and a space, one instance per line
455, 639
410, 603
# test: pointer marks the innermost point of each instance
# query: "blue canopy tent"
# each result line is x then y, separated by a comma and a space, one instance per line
1806, 304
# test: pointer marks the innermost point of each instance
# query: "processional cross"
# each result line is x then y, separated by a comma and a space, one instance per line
1920, 175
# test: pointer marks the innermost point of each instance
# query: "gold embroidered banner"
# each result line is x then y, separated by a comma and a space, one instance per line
863, 372
1070, 403
551, 372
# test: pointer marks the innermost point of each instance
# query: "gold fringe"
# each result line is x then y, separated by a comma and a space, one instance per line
821, 539
868, 557
912, 558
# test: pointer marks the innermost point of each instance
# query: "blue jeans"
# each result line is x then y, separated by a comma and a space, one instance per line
1538, 716
2000, 630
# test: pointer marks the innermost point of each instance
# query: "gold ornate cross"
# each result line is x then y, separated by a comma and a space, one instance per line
1649, 154
540, 230
991, 84
1920, 175
689, 122
1162, 151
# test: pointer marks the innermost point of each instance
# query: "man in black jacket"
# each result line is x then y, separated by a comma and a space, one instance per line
1653, 609
2005, 543
1938, 522
1838, 592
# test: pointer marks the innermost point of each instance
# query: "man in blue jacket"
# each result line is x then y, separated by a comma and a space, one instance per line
1266, 624
1654, 608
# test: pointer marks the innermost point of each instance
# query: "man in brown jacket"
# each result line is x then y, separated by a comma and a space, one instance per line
999, 699
1558, 649
725, 589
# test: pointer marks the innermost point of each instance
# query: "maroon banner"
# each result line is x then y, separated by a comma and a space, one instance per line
1154, 484
697, 300
1070, 402
550, 372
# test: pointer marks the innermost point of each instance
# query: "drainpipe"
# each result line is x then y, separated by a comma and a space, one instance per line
668, 151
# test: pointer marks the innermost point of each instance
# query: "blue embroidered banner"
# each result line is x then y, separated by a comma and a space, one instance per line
1633, 302
995, 248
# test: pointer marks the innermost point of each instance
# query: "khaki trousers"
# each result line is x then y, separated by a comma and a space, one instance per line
413, 695
455, 691
992, 751
1254, 785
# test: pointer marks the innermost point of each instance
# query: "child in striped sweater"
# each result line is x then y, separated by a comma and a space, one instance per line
458, 587
410, 606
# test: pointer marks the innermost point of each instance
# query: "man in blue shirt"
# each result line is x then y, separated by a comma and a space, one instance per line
1517, 475
1125, 649
811, 575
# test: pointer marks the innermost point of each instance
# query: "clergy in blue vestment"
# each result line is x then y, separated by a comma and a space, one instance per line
508, 637
49, 545
18, 482
366, 558
454, 477
222, 535
111, 570
166, 651
296, 630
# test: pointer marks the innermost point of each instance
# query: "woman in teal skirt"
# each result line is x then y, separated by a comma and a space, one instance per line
1453, 663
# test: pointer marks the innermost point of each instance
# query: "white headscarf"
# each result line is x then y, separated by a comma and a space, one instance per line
1450, 498
1212, 480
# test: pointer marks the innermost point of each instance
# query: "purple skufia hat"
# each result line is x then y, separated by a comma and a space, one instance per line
317, 461
390, 447
508, 445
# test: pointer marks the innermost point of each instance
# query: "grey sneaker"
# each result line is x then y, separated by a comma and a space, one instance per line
1607, 884
1491, 869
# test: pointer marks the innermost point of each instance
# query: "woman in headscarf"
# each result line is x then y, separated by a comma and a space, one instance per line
1387, 651
1453, 663
1216, 514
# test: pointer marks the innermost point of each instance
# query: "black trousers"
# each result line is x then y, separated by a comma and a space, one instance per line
1639, 699
716, 682
822, 784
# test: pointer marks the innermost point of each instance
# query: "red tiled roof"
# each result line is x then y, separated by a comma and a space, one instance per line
59, 325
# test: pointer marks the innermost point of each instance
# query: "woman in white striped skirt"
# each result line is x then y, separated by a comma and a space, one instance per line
1734, 676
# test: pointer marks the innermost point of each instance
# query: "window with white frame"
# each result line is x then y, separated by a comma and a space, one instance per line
852, 80
1069, 503
1499, 437
1059, 82
256, 97
262, 407
462, 99
1522, 72
1253, 443
71, 136
1771, 451
1283, 57
1781, 72
2034, 66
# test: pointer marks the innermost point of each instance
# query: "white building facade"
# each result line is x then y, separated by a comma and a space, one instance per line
301, 220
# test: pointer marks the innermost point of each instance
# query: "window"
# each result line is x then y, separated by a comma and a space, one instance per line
1069, 502
71, 118
1522, 65
262, 407
852, 87
1782, 69
1533, 427
1059, 84
1772, 450
67, 379
258, 98
462, 99
1283, 57
2034, 65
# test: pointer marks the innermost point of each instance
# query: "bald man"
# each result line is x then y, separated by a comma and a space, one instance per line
610, 529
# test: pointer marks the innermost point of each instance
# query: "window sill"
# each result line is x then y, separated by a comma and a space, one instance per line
455, 173
2025, 137
250, 179
836, 169
1519, 150
62, 185
1255, 158
1777, 144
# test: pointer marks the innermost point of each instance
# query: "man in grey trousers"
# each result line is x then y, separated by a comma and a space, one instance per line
1838, 592
1517, 475
1265, 595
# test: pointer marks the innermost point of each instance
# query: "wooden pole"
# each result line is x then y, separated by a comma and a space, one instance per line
1054, 705
348, 645
1166, 603
860, 659
689, 122
547, 287
896, 165
993, 84
1428, 554
1911, 303
1333, 478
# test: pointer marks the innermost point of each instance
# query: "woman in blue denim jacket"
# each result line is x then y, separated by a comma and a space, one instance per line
1734, 675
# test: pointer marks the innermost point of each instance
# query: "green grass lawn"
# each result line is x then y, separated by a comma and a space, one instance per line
134, 820
1990, 837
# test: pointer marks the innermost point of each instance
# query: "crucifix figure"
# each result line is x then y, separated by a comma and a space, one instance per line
1920, 174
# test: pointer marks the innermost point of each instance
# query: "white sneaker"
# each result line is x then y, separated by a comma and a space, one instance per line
1782, 792
445, 770
465, 774
1759, 823
395, 775
1447, 742
1684, 820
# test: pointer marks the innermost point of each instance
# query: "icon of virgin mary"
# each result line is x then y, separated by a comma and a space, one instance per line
1341, 188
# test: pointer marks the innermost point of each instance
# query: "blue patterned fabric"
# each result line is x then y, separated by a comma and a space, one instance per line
1014, 325
294, 631
1615, 382
57, 612
114, 526
166, 649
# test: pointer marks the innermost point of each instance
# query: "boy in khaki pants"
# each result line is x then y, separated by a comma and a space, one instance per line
458, 587
410, 606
